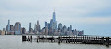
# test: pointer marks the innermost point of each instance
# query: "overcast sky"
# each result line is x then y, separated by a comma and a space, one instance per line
92, 16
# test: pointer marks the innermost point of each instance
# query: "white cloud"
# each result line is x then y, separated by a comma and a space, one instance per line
86, 20
72, 11
77, 7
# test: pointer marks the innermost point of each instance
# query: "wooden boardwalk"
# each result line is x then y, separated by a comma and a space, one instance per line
72, 39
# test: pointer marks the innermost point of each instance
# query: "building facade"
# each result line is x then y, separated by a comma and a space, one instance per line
17, 28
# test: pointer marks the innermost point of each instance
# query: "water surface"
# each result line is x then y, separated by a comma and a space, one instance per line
15, 42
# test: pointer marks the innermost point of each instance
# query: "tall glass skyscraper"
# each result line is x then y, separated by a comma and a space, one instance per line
8, 26
54, 16
53, 21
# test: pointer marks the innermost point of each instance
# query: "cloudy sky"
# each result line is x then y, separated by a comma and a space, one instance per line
92, 16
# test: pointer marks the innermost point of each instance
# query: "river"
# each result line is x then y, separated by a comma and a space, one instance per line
15, 42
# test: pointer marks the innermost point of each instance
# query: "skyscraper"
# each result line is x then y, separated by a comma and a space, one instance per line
64, 30
37, 22
53, 22
11, 30
46, 24
70, 28
23, 30
8, 26
29, 27
38, 26
17, 28
46, 30
35, 28
59, 26
54, 16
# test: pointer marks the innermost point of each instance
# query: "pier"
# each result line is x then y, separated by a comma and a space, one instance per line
71, 39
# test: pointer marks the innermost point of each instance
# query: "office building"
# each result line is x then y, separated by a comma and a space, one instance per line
29, 27
23, 30
17, 28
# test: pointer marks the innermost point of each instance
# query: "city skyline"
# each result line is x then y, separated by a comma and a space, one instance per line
92, 16
50, 28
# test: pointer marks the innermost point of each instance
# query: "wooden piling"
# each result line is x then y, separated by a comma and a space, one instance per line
59, 39
107, 41
74, 39
30, 38
24, 38
102, 40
